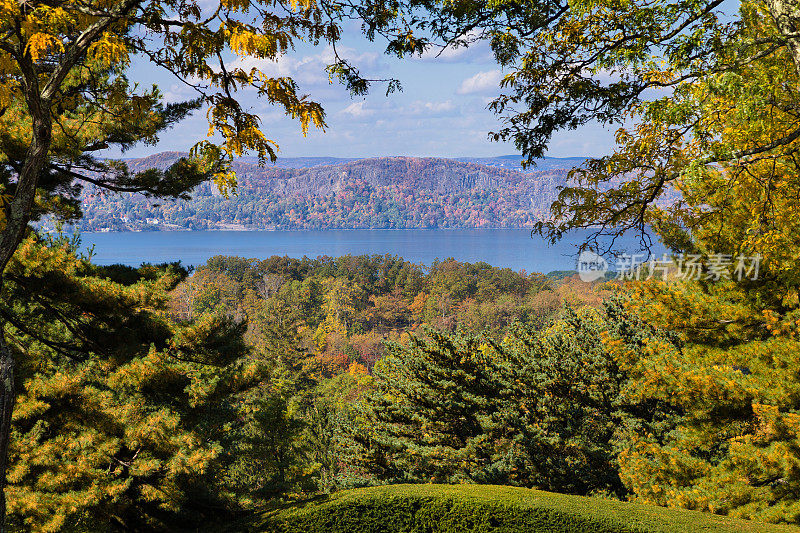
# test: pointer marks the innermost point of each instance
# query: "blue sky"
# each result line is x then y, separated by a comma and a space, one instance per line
440, 112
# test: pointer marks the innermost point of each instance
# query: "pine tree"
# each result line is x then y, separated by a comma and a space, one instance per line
571, 404
436, 413
734, 378
544, 408
270, 452
123, 417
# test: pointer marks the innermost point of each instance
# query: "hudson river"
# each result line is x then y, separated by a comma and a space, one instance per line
498, 247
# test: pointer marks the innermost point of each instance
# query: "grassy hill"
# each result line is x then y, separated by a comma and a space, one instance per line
456, 508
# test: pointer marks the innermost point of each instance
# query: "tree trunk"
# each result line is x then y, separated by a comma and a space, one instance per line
17, 218
7, 396
38, 98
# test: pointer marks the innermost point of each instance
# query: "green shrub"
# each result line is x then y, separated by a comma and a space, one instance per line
479, 508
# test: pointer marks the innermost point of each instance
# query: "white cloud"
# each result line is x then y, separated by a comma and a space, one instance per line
439, 107
358, 110
389, 108
178, 93
482, 82
430, 108
310, 70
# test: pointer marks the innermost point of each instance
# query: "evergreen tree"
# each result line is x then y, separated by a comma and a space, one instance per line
123, 419
545, 408
734, 378
270, 450
437, 413
571, 405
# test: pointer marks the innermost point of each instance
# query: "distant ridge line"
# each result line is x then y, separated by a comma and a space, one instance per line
509, 162
400, 192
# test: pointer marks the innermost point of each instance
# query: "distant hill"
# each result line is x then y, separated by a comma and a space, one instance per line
514, 162
510, 162
322, 193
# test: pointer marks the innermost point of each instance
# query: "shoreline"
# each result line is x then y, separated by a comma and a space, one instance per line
253, 230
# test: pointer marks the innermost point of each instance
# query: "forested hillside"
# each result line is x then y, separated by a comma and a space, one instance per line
392, 192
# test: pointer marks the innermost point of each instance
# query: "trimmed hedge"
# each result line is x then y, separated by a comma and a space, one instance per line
485, 508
